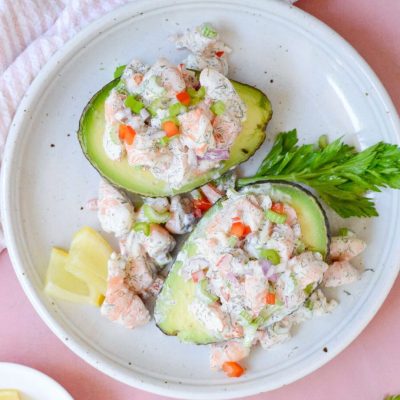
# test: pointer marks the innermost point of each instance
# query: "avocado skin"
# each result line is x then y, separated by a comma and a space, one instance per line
142, 182
171, 312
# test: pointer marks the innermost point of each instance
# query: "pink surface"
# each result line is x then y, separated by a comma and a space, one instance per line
367, 369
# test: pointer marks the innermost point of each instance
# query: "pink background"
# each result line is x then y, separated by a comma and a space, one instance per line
368, 369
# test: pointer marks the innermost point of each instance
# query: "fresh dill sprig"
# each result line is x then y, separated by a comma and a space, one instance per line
340, 174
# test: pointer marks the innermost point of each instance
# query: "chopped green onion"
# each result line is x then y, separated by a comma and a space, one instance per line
142, 227
232, 240
203, 288
176, 109
323, 141
250, 332
270, 255
308, 289
309, 304
164, 141
246, 316
201, 92
133, 104
343, 232
192, 92
155, 217
276, 217
299, 246
218, 107
293, 276
191, 249
119, 71
155, 105
121, 88
260, 320
208, 31
196, 95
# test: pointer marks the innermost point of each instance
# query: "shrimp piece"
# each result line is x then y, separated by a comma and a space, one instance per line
340, 273
248, 210
308, 267
204, 50
133, 75
291, 215
188, 76
232, 350
219, 88
140, 273
255, 288
121, 303
344, 248
115, 212
171, 78
226, 130
113, 105
155, 287
194, 266
163, 79
197, 131
182, 217
158, 244
282, 240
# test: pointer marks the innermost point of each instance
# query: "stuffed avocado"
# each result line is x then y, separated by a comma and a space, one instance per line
255, 257
165, 129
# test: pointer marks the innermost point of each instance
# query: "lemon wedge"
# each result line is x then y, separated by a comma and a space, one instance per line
9, 394
88, 258
62, 284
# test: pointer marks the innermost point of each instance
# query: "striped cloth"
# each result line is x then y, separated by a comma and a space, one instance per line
30, 32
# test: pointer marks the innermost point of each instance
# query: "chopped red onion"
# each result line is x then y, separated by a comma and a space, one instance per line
231, 278
265, 265
216, 155
273, 277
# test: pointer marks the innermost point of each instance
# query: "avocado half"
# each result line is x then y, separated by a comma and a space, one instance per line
143, 182
171, 310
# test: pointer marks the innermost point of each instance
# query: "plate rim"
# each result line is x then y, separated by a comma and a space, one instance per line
43, 378
76, 345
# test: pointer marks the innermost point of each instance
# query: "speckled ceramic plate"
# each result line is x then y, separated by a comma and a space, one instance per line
30, 383
316, 82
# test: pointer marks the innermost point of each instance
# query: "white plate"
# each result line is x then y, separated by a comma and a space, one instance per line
316, 82
30, 383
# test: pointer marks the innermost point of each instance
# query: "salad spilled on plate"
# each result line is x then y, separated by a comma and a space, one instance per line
254, 260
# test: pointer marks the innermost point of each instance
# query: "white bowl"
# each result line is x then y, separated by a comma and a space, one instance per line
316, 82
30, 383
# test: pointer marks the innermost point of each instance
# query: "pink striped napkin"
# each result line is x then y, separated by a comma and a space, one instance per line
30, 32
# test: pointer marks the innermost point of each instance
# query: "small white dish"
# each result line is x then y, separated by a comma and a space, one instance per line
30, 383
316, 82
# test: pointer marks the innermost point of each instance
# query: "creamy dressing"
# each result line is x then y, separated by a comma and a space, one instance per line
205, 129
